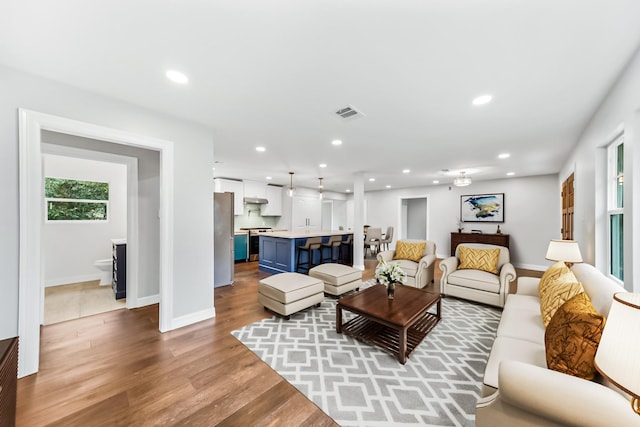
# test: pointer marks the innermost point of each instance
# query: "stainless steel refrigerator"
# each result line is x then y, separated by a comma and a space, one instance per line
223, 256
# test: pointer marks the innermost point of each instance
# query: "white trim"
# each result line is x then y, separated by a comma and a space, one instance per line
151, 299
60, 281
30, 125
530, 266
192, 318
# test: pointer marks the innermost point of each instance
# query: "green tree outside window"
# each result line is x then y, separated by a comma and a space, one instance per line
73, 200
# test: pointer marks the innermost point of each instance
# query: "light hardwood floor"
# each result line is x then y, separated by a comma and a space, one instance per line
116, 369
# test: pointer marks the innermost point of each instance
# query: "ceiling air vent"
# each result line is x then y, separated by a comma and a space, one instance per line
349, 112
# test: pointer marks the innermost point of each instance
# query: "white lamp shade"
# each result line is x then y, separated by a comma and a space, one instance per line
564, 250
618, 354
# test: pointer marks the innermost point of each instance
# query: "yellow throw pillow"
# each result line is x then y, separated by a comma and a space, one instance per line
552, 273
572, 337
556, 290
409, 250
478, 259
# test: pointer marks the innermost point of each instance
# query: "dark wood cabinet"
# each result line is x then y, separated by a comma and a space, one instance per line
119, 283
492, 239
8, 381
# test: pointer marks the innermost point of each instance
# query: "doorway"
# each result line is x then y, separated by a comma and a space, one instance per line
414, 218
77, 255
31, 126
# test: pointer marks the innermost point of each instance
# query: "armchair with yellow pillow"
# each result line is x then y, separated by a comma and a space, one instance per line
415, 257
478, 272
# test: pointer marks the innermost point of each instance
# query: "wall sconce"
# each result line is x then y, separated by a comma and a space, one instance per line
320, 187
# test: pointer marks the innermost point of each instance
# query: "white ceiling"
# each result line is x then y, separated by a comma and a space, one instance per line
273, 73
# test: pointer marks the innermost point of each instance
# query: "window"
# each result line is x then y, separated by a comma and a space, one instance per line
615, 208
71, 200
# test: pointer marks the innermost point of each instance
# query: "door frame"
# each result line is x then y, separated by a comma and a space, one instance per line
402, 215
30, 127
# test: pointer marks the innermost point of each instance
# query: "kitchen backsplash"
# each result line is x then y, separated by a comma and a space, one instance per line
251, 218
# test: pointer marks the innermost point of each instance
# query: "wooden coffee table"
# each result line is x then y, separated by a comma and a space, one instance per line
396, 325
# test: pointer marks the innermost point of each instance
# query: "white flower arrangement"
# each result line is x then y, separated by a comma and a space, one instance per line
390, 273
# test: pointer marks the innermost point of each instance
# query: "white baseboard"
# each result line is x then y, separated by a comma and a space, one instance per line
144, 301
190, 319
531, 266
71, 279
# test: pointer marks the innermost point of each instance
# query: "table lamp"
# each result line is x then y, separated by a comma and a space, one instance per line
567, 251
619, 349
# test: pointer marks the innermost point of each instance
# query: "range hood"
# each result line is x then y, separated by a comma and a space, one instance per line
255, 200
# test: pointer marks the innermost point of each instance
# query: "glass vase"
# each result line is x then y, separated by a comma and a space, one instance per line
391, 290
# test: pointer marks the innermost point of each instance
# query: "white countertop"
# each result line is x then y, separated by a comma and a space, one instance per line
119, 241
239, 232
303, 234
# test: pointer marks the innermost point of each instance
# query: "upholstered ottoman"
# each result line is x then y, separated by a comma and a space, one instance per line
288, 293
337, 278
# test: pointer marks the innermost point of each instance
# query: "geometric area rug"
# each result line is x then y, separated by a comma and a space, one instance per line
357, 384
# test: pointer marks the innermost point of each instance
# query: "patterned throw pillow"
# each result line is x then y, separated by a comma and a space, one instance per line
478, 259
557, 286
572, 337
409, 250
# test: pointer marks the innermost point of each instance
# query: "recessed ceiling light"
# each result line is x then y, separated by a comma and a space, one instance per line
435, 181
177, 77
510, 173
371, 179
406, 170
504, 155
323, 165
268, 178
261, 149
336, 142
347, 190
482, 99
387, 186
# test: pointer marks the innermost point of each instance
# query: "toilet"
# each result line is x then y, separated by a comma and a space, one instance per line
105, 265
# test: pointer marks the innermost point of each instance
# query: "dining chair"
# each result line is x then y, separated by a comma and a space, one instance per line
372, 240
388, 238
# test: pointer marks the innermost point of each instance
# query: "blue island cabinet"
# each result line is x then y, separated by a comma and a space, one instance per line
278, 249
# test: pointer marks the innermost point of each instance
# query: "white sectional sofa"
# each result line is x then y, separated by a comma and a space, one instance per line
521, 391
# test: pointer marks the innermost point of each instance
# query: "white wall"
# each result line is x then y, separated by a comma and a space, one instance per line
69, 249
193, 187
619, 110
532, 214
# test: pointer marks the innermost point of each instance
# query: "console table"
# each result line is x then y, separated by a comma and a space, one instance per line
492, 239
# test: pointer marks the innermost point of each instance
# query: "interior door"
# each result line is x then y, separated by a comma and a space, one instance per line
567, 208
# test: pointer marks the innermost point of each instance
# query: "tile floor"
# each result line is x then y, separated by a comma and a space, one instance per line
67, 302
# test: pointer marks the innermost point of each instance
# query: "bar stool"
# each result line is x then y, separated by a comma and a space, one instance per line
333, 243
312, 244
347, 254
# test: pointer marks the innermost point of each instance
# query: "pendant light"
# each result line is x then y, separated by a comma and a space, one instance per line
290, 184
462, 180
320, 187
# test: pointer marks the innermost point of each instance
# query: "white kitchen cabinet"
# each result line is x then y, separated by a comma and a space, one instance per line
306, 213
255, 189
222, 185
274, 207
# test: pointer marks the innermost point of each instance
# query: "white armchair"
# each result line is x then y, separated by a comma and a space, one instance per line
478, 285
419, 273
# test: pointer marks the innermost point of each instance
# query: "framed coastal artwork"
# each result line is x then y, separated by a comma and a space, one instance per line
482, 208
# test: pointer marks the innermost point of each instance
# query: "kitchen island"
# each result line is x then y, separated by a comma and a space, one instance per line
278, 249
